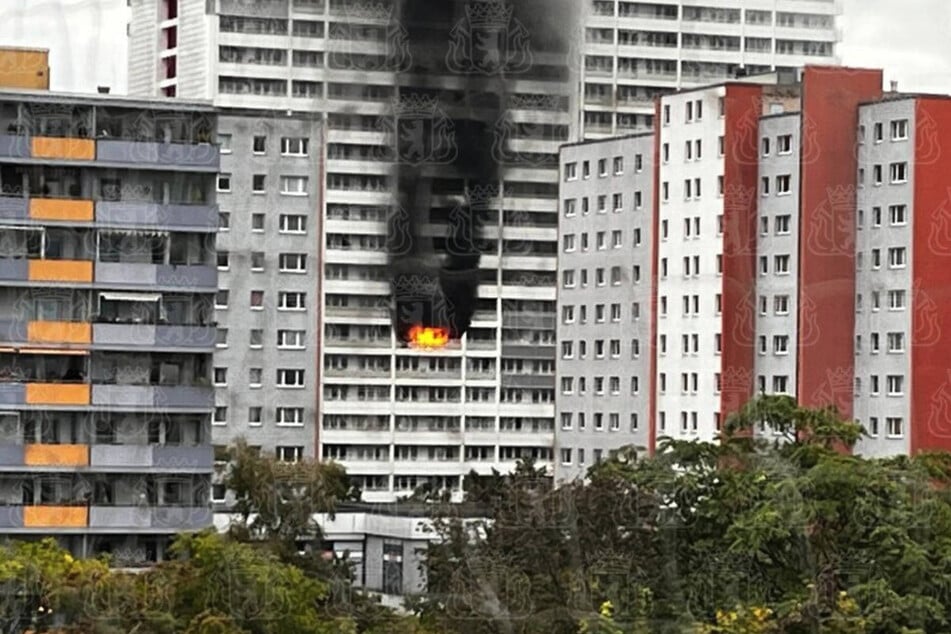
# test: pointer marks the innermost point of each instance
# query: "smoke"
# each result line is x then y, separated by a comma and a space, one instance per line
449, 119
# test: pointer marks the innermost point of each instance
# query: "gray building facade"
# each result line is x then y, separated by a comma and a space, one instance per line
604, 291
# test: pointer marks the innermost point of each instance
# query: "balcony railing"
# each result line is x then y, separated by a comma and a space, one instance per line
164, 518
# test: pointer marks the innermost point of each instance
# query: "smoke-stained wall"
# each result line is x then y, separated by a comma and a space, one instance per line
450, 141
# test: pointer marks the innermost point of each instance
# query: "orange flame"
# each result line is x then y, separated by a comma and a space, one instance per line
428, 336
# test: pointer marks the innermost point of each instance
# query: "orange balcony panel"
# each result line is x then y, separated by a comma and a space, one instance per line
57, 394
59, 332
56, 455
61, 209
64, 148
60, 271
55, 516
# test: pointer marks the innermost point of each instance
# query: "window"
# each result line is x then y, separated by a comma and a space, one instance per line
599, 276
257, 300
899, 129
876, 217
570, 206
221, 299
566, 420
765, 185
568, 314
877, 174
602, 167
615, 276
567, 349
782, 264
894, 426
898, 172
783, 184
874, 343
784, 144
782, 225
254, 377
873, 426
220, 416
257, 260
290, 378
616, 239
618, 165
780, 384
618, 200
615, 344
571, 171
763, 265
568, 242
294, 185
896, 342
221, 337
291, 339
568, 278
765, 146
294, 146
601, 243
256, 338
566, 456
289, 454
665, 153
292, 263
667, 115
781, 304
290, 416
293, 223
257, 222
257, 183
221, 376
224, 221
781, 344
897, 214
665, 191
224, 182
638, 200
896, 300
897, 257
586, 170
877, 132
602, 204
291, 300
259, 144
762, 344
567, 385
876, 259
224, 143
895, 384
615, 312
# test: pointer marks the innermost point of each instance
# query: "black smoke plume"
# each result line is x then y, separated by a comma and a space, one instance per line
450, 106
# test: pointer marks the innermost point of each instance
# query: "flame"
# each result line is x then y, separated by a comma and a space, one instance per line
428, 336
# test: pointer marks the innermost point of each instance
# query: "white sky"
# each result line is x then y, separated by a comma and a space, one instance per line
87, 40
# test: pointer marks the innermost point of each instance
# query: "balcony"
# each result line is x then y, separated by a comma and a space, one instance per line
66, 148
152, 457
170, 519
190, 217
45, 333
161, 397
201, 278
149, 336
60, 209
22, 393
203, 156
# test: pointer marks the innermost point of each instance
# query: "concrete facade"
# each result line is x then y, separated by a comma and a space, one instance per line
604, 298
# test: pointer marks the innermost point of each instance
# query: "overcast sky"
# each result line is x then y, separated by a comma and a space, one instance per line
87, 40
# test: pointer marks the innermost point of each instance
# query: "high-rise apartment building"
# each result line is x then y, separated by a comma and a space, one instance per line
604, 299
107, 246
799, 232
311, 91
636, 51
